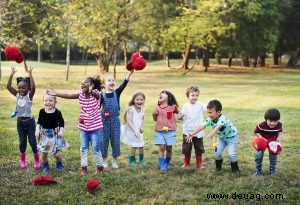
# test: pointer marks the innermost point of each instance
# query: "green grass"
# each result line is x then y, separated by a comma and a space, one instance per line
245, 95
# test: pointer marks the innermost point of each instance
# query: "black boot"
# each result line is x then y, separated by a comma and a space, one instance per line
235, 168
219, 164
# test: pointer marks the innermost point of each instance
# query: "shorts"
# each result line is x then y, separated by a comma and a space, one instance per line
167, 138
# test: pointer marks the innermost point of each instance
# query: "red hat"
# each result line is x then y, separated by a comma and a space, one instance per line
275, 147
13, 53
42, 180
92, 184
137, 62
260, 144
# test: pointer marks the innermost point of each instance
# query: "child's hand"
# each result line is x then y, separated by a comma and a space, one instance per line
189, 138
30, 71
51, 92
13, 70
141, 131
210, 136
37, 134
137, 134
60, 133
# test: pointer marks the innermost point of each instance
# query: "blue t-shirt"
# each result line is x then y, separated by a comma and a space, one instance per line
226, 131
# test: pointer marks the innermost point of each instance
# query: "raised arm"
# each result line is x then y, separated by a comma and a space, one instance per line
62, 95
32, 83
8, 86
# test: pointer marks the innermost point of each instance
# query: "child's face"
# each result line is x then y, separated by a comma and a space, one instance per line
193, 97
85, 84
213, 114
109, 83
23, 88
49, 102
139, 101
272, 123
163, 97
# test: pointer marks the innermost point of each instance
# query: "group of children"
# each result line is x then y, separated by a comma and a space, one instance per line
99, 124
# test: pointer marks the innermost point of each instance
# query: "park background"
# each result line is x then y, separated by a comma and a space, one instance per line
243, 52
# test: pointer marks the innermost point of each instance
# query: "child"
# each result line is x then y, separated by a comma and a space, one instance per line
132, 129
165, 127
228, 135
89, 122
270, 129
49, 131
25, 119
110, 111
192, 115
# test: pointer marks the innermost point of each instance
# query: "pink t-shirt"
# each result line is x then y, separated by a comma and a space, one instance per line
165, 117
89, 118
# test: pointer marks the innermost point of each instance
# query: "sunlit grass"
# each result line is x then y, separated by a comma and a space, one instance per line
245, 95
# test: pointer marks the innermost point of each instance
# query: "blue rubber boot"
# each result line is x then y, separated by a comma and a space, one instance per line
273, 162
167, 162
162, 164
258, 163
46, 168
59, 166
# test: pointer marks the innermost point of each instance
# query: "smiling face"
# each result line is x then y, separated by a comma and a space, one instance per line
23, 88
163, 98
139, 101
109, 83
49, 102
272, 123
193, 97
85, 84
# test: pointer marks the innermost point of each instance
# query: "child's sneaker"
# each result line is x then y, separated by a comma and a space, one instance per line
83, 171
59, 166
115, 164
46, 168
99, 170
105, 164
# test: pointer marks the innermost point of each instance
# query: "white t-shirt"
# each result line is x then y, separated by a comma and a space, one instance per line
193, 117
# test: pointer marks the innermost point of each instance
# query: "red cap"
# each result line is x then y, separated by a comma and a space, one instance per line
92, 184
137, 62
275, 147
13, 53
42, 180
260, 144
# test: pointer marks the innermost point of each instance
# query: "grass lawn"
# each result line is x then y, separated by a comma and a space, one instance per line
245, 95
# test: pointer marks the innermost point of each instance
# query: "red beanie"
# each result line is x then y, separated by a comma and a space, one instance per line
275, 147
137, 62
260, 144
42, 180
13, 53
92, 184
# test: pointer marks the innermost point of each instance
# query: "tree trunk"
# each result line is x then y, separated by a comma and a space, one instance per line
125, 54
167, 60
262, 60
276, 57
115, 62
206, 59
255, 59
185, 58
68, 55
245, 61
230, 61
39, 54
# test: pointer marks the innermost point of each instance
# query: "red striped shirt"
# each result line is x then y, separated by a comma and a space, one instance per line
90, 117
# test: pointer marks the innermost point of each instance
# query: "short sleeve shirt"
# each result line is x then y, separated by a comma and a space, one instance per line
227, 130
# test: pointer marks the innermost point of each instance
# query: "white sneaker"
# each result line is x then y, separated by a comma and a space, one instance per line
105, 164
115, 164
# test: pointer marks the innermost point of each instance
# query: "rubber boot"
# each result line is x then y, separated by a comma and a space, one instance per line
199, 162
219, 165
167, 162
23, 163
46, 168
186, 161
132, 161
141, 159
99, 170
162, 164
273, 162
84, 171
235, 168
59, 166
36, 163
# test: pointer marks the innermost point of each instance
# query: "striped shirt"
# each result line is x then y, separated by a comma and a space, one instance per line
89, 118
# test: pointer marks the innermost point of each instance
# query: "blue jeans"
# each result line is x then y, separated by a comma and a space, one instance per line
232, 144
95, 138
26, 128
273, 162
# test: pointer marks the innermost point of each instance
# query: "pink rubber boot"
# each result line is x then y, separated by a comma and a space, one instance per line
36, 163
23, 163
